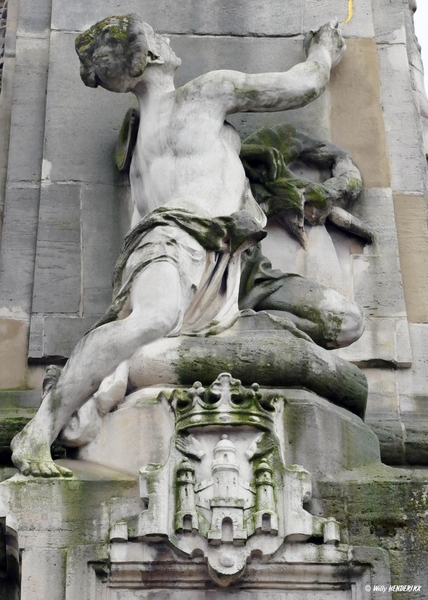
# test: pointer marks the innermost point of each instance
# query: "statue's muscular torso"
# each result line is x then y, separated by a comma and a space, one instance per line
186, 151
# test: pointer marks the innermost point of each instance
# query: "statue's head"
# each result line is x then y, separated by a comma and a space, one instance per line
115, 52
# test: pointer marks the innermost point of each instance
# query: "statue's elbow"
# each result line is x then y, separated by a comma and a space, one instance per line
313, 87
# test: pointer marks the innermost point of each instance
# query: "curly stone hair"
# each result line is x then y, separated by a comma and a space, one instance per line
125, 38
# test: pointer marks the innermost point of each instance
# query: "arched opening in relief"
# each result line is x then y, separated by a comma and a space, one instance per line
227, 530
266, 523
187, 523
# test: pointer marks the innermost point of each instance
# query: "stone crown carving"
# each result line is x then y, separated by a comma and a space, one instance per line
225, 402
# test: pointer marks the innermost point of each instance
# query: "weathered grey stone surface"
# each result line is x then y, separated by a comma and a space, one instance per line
412, 387
415, 381
389, 22
28, 115
92, 221
103, 216
417, 76
61, 521
43, 572
384, 299
28, 75
377, 286
240, 18
415, 422
324, 438
402, 120
379, 268
36, 336
19, 399
7, 68
18, 249
57, 278
383, 414
386, 506
34, 18
360, 26
221, 17
56, 335
25, 147
383, 342
397, 407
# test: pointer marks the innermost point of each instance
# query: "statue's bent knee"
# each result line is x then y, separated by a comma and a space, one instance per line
352, 325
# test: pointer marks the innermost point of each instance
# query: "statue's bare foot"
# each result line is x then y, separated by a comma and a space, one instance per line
35, 459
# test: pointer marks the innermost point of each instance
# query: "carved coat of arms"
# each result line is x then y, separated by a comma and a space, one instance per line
225, 493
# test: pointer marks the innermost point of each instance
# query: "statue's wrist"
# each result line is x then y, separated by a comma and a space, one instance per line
319, 54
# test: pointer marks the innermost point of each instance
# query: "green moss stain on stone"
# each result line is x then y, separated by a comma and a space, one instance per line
387, 508
75, 508
117, 28
84, 505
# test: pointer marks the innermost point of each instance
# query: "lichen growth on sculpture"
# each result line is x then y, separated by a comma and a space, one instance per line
116, 26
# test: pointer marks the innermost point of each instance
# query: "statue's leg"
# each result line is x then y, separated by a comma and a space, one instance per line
329, 318
86, 422
157, 298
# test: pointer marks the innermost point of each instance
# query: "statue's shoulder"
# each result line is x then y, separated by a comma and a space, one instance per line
214, 85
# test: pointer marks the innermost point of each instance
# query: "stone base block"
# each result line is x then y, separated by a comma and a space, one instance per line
314, 433
66, 553
325, 438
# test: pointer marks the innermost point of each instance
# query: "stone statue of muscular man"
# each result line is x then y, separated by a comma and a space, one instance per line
194, 211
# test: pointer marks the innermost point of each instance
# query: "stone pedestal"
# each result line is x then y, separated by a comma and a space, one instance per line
71, 549
105, 534
314, 433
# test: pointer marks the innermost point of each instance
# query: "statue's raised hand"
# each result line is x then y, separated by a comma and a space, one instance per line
329, 37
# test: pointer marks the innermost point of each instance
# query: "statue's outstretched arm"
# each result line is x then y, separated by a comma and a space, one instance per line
346, 178
303, 83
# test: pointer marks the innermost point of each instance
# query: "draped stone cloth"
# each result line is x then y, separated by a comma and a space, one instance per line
206, 252
258, 279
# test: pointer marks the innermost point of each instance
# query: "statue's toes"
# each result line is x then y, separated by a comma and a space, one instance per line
63, 471
24, 467
51, 469
48, 470
35, 470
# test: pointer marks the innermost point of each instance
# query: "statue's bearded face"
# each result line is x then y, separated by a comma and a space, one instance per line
115, 52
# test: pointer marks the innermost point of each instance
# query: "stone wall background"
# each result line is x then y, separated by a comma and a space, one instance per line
66, 209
